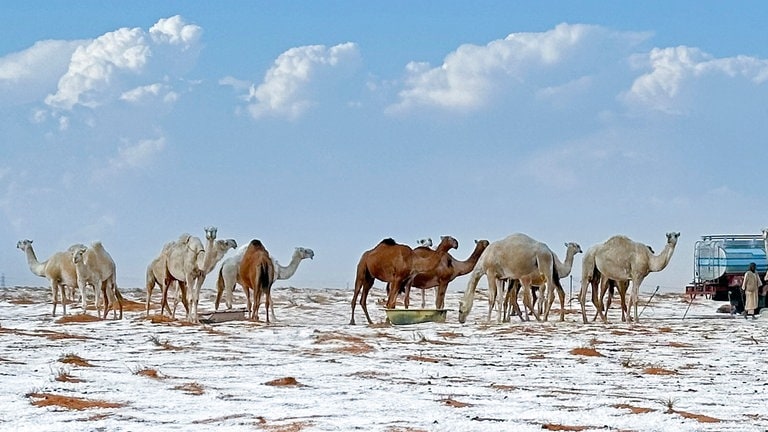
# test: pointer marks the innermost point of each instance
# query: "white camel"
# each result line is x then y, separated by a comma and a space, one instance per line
188, 262
563, 270
58, 269
95, 267
229, 273
517, 256
621, 259
156, 277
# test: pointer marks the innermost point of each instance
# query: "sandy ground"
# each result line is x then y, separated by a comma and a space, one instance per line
310, 370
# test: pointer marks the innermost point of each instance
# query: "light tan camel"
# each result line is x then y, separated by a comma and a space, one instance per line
449, 269
257, 272
517, 256
621, 260
395, 264
229, 274
563, 270
188, 262
156, 276
58, 269
95, 267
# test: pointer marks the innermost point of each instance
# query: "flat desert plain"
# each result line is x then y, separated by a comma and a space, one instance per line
311, 371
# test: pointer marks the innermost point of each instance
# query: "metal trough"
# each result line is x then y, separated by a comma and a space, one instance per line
415, 316
224, 316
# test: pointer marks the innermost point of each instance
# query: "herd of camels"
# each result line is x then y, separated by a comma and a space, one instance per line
515, 261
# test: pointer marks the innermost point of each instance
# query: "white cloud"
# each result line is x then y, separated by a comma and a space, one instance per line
108, 66
284, 91
469, 75
29, 75
673, 70
137, 155
145, 93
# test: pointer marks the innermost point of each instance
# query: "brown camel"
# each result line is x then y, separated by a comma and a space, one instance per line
257, 272
449, 269
396, 264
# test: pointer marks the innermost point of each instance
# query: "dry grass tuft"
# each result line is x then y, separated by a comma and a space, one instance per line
148, 372
503, 387
192, 388
69, 402
164, 344
284, 382
454, 403
586, 351
77, 318
74, 359
64, 376
422, 359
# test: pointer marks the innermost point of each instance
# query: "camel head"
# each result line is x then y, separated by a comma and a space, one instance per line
463, 311
574, 247
24, 244
77, 255
225, 245
672, 238
210, 233
448, 242
304, 253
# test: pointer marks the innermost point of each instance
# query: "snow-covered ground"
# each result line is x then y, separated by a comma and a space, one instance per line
310, 370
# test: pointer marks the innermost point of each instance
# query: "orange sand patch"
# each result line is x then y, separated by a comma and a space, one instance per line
77, 318
658, 371
450, 335
290, 427
422, 359
454, 403
679, 345
589, 352
65, 377
132, 306
283, 382
356, 344
21, 301
191, 388
634, 409
665, 330
698, 417
69, 402
74, 360
149, 373
556, 427
52, 335
503, 387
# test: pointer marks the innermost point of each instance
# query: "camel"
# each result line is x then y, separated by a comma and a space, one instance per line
257, 272
95, 266
449, 269
188, 262
622, 260
563, 270
156, 276
58, 269
229, 273
395, 264
517, 256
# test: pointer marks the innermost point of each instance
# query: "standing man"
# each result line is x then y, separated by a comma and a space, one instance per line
749, 286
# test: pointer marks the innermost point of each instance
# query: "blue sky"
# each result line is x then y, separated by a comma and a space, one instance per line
332, 125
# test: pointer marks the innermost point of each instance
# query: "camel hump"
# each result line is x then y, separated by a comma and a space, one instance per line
256, 243
389, 241
97, 245
184, 238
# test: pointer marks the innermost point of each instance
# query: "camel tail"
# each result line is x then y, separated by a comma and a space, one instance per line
264, 278
220, 282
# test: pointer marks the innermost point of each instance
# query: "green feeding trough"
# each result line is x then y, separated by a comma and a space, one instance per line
415, 316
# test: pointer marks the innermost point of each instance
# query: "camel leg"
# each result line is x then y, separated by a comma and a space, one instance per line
360, 281
150, 288
492, 293
219, 291
164, 299
267, 302
103, 289
423, 298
